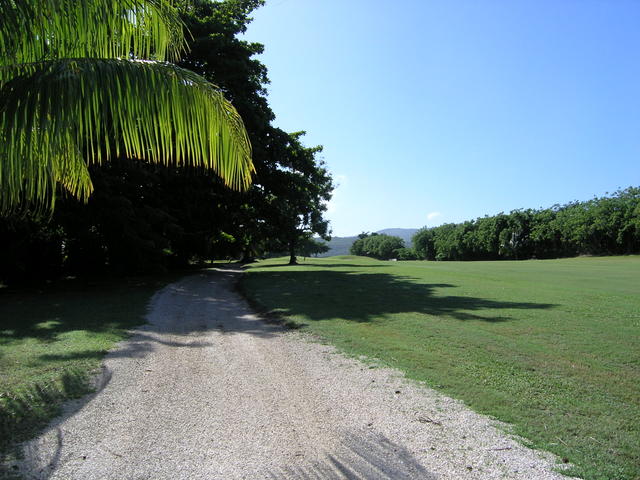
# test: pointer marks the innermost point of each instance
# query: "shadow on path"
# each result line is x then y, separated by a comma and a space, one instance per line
361, 455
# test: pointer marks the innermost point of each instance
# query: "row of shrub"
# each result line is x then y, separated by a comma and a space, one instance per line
607, 225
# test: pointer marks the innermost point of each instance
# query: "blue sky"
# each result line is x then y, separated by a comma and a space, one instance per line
442, 111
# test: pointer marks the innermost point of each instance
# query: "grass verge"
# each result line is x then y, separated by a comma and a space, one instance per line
51, 342
551, 347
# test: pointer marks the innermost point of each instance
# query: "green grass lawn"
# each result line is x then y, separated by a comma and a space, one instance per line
550, 346
52, 339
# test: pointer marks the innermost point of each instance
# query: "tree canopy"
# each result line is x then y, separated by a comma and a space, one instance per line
146, 217
379, 246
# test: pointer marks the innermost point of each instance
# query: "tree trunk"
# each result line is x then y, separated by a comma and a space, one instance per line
292, 253
247, 257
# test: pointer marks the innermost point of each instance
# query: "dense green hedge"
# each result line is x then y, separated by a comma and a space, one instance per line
602, 226
377, 245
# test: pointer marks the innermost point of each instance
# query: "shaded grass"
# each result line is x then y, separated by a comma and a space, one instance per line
552, 347
52, 340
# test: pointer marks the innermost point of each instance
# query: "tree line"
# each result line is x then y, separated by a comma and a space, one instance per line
608, 225
148, 217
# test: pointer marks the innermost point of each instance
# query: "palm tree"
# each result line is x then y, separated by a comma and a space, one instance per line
85, 81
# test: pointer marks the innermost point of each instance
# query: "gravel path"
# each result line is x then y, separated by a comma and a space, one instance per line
208, 391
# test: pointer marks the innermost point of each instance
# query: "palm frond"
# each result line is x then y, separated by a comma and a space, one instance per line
38, 30
54, 112
30, 185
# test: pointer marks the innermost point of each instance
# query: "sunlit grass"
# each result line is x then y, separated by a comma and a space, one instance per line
552, 347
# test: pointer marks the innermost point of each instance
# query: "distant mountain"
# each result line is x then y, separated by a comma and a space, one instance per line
341, 245
404, 233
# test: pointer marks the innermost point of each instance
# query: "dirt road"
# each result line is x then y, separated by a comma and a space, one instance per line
206, 390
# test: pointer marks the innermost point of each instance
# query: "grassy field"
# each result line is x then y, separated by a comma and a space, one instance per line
51, 340
550, 346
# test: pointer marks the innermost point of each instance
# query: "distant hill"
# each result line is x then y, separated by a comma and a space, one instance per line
404, 233
341, 245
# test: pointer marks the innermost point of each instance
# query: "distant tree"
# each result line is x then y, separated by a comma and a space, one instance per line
545, 235
406, 254
378, 246
423, 243
357, 247
388, 247
514, 237
308, 247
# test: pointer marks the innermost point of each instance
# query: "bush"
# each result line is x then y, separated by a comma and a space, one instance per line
378, 246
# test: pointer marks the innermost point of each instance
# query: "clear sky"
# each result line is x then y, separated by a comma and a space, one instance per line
443, 111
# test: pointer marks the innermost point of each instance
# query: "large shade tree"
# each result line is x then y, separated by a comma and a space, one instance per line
297, 193
83, 82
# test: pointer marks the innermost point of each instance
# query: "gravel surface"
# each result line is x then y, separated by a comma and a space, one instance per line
207, 390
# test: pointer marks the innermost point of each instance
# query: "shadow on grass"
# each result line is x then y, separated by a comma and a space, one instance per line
96, 306
35, 322
364, 297
23, 413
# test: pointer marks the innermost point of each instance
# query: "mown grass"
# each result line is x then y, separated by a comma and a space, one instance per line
552, 347
53, 339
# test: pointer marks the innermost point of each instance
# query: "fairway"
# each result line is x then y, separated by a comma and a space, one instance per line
552, 347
